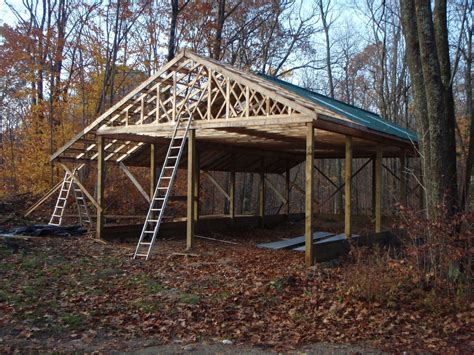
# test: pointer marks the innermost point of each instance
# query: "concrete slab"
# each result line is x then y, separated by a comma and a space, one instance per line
294, 242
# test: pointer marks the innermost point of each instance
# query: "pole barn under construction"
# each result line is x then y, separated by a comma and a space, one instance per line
199, 114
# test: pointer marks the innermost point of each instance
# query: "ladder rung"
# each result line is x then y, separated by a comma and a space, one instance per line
148, 232
155, 209
61, 198
173, 157
168, 167
166, 177
145, 255
153, 220
145, 243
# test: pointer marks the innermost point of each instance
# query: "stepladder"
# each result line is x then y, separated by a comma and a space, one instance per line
163, 189
69, 184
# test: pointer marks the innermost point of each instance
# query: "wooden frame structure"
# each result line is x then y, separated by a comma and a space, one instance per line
242, 122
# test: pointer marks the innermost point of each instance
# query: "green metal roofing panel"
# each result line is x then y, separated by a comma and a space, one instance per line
360, 116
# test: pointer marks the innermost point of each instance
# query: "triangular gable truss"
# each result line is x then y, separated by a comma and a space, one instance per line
189, 85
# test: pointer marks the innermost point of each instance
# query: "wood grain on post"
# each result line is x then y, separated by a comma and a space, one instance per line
309, 204
191, 186
348, 187
378, 189
100, 187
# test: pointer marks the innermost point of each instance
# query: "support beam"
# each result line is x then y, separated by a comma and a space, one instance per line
197, 180
275, 190
153, 149
44, 198
261, 200
100, 221
378, 189
287, 191
135, 182
309, 205
84, 190
232, 196
191, 185
216, 184
342, 186
348, 188
373, 186
403, 179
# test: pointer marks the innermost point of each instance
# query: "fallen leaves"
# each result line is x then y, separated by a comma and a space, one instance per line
77, 289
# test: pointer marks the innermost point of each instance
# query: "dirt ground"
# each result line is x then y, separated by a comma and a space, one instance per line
77, 294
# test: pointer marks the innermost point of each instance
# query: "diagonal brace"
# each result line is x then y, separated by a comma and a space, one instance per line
214, 181
134, 181
79, 184
273, 187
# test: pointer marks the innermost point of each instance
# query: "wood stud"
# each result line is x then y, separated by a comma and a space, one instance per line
348, 187
309, 192
378, 189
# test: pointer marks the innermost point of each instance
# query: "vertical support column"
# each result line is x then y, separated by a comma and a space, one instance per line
261, 207
378, 189
287, 192
191, 185
373, 187
348, 187
403, 178
152, 169
232, 196
196, 180
100, 187
309, 205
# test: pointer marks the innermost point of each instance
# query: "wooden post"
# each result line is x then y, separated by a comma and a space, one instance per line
287, 192
373, 187
348, 187
100, 187
261, 209
196, 180
191, 185
378, 189
152, 169
232, 196
309, 205
403, 179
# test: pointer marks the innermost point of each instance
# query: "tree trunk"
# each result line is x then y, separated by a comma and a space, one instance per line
433, 112
216, 54
470, 116
172, 38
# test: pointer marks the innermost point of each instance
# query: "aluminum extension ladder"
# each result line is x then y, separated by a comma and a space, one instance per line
61, 203
162, 191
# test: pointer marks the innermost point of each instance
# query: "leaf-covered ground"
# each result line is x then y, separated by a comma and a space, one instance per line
78, 294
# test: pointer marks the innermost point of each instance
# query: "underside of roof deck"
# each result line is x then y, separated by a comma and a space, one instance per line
242, 121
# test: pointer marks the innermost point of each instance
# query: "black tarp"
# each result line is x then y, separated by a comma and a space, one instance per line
42, 230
